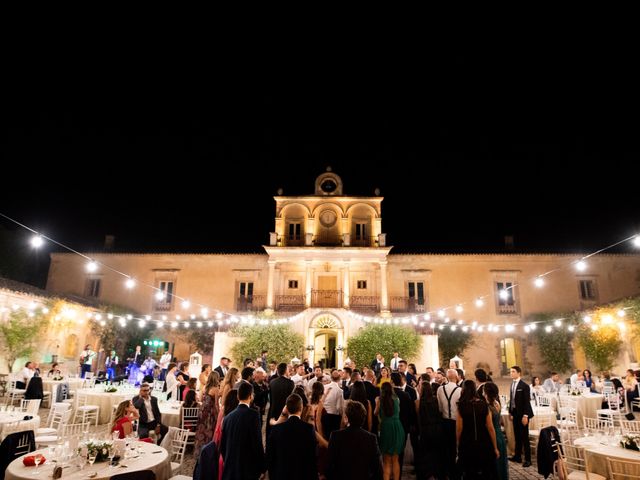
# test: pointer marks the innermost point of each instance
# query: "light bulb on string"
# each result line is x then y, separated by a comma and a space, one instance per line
636, 241
186, 304
504, 294
92, 266
441, 313
571, 328
586, 319
479, 302
581, 265
459, 309
539, 282
159, 295
129, 283
621, 313
37, 241
558, 323
548, 328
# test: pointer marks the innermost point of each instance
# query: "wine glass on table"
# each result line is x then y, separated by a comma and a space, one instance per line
93, 454
37, 459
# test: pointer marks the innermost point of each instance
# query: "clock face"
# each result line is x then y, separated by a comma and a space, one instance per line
328, 186
328, 218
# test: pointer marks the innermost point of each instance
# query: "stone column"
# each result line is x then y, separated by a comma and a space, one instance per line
346, 283
384, 295
307, 285
272, 271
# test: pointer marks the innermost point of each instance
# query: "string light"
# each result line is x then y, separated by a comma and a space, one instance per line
93, 265
37, 241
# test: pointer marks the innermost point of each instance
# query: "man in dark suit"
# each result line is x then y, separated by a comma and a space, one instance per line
343, 464
241, 442
377, 364
372, 393
291, 446
223, 367
408, 376
150, 417
280, 388
520, 412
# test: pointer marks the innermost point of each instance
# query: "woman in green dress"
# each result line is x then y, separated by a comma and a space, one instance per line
391, 431
491, 395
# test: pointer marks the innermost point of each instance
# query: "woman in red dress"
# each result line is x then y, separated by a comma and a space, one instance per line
125, 414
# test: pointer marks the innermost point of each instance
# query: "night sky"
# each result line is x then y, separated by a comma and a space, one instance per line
478, 147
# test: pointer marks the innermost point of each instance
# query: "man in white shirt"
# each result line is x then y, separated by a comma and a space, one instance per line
86, 359
552, 385
300, 377
395, 361
448, 396
333, 404
26, 374
318, 376
574, 377
165, 359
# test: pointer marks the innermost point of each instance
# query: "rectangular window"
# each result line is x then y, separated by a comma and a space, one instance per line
362, 284
361, 231
294, 231
588, 289
246, 289
167, 287
293, 284
506, 298
416, 292
93, 287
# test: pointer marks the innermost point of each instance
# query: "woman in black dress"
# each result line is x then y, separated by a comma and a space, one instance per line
429, 455
476, 437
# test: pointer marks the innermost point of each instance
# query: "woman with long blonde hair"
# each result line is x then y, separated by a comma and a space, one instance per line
228, 382
125, 414
209, 412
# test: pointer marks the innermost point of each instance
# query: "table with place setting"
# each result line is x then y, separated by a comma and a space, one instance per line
14, 421
598, 448
147, 456
106, 400
51, 386
170, 412
540, 414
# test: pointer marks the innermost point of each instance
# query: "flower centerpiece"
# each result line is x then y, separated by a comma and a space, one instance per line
57, 378
575, 391
631, 441
100, 449
111, 389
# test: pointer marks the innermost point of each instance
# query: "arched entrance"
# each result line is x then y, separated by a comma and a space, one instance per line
325, 340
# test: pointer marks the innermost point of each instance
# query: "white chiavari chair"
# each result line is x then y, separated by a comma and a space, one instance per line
86, 411
630, 426
622, 469
574, 463
30, 406
615, 411
189, 421
179, 443
13, 393
596, 425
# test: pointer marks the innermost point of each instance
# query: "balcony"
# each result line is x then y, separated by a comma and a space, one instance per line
327, 239
326, 298
364, 242
290, 303
251, 303
163, 306
407, 304
507, 309
364, 303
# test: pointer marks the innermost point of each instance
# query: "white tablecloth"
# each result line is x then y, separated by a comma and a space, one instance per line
170, 414
52, 386
156, 462
533, 425
596, 455
105, 400
8, 418
587, 405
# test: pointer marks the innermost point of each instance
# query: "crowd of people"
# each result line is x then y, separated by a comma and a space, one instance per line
312, 417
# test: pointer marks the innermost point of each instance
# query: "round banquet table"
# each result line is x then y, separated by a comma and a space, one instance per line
596, 455
157, 462
586, 404
533, 425
51, 386
7, 420
170, 412
105, 400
